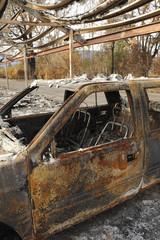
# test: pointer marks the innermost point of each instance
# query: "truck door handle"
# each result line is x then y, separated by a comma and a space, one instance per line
130, 157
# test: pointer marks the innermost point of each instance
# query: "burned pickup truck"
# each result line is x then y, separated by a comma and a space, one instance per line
57, 169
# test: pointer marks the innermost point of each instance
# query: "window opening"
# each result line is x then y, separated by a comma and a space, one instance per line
105, 120
153, 103
102, 118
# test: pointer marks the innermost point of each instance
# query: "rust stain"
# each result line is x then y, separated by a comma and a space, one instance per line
76, 185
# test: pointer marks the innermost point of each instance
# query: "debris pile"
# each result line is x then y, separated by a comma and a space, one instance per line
30, 104
80, 80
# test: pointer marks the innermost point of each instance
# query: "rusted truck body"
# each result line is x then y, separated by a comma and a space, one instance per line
100, 148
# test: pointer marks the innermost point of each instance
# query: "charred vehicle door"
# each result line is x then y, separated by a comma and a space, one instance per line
151, 103
88, 157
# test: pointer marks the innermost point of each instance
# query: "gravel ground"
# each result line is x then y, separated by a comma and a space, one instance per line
135, 219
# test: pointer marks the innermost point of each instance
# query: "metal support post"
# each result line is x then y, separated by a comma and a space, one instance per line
25, 67
112, 67
71, 52
7, 82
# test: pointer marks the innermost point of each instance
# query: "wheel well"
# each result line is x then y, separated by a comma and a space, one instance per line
8, 233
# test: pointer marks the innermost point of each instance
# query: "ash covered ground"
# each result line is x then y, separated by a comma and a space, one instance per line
135, 219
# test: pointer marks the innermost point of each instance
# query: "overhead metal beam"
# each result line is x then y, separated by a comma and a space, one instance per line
77, 19
42, 17
14, 22
56, 6
121, 23
133, 32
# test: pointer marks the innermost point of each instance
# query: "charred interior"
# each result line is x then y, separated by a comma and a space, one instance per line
26, 127
92, 124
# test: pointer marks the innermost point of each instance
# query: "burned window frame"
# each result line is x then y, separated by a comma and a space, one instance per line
41, 142
112, 98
